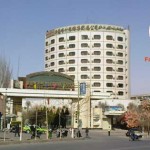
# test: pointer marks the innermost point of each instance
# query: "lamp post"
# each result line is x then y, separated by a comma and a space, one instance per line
4, 114
36, 113
46, 122
78, 109
4, 110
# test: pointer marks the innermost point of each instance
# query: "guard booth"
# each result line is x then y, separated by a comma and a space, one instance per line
110, 115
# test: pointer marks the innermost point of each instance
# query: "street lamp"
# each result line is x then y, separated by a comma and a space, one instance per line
4, 110
78, 108
46, 121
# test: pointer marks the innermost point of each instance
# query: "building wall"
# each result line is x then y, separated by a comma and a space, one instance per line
92, 53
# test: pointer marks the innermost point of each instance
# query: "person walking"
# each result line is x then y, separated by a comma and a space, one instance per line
17, 131
87, 132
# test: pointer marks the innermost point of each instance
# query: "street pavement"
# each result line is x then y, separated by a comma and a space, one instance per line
97, 140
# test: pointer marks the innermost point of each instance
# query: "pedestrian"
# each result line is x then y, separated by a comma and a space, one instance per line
17, 130
87, 132
78, 133
33, 130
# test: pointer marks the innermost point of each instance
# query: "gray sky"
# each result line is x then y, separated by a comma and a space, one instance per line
23, 24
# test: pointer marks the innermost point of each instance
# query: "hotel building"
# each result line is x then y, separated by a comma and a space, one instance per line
92, 53
95, 54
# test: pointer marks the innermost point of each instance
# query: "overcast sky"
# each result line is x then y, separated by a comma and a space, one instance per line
23, 24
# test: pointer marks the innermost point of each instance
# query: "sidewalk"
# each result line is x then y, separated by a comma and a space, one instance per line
9, 138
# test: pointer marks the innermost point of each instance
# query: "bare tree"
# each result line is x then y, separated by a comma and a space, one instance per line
28, 104
5, 73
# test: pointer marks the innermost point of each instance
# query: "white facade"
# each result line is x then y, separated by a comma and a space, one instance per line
92, 53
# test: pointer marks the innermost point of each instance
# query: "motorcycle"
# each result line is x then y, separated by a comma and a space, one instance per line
135, 136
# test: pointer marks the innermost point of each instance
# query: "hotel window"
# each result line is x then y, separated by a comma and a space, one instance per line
96, 53
96, 77
71, 53
84, 76
52, 41
52, 70
84, 61
120, 54
46, 58
97, 91
109, 53
120, 46
61, 39
96, 84
109, 85
52, 56
96, 69
84, 69
120, 62
109, 61
120, 78
109, 69
109, 91
71, 45
52, 64
52, 49
109, 45
96, 61
46, 43
61, 47
120, 85
71, 69
84, 45
46, 65
97, 45
97, 37
84, 37
71, 38
61, 62
61, 55
109, 77
72, 61
61, 70
46, 51
120, 93
120, 38
109, 37
120, 69
84, 53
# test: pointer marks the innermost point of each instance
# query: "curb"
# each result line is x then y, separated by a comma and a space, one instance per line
38, 141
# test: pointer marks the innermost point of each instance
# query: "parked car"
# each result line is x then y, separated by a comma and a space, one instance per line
27, 129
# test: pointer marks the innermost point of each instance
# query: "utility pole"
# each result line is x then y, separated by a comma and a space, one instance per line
78, 109
4, 109
36, 123
59, 124
46, 121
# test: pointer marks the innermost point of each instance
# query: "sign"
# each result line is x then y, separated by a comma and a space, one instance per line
49, 85
113, 108
88, 27
82, 88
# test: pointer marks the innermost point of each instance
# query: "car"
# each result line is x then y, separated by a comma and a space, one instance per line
27, 129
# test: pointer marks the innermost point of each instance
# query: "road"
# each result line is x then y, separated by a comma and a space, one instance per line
97, 141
